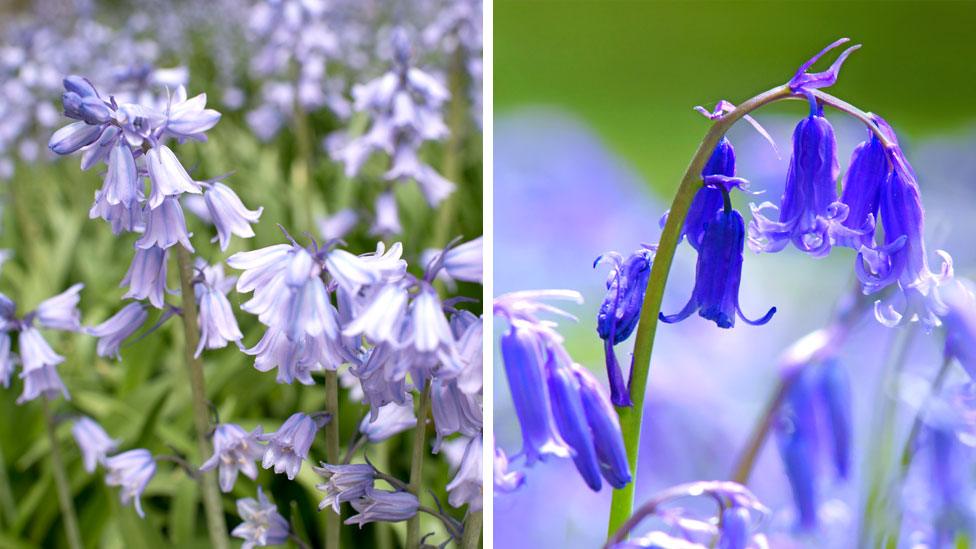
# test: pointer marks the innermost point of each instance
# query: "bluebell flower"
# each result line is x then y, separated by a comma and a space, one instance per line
338, 225
386, 221
218, 326
810, 215
382, 319
570, 417
862, 191
165, 227
117, 328
432, 338
122, 184
93, 442
228, 213
189, 118
167, 176
35, 353
344, 483
505, 481
146, 277
468, 330
73, 137
288, 446
902, 258
465, 261
453, 410
718, 274
263, 525
524, 355
131, 471
466, 488
61, 311
389, 420
605, 427
804, 82
620, 311
8, 360
708, 199
818, 395
43, 381
235, 450
383, 506
959, 319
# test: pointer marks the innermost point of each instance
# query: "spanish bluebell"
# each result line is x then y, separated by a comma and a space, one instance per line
43, 381
165, 227
620, 311
218, 326
288, 446
263, 525
383, 506
344, 483
390, 419
113, 331
146, 277
93, 442
228, 213
453, 410
235, 450
466, 488
718, 274
131, 471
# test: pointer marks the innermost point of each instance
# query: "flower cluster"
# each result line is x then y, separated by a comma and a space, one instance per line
562, 410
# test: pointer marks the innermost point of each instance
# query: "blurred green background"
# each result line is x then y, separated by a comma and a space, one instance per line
634, 70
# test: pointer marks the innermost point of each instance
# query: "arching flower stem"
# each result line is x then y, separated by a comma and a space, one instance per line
630, 417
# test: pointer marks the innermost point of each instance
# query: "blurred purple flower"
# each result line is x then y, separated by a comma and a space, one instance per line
263, 525
383, 506
131, 471
93, 442
117, 328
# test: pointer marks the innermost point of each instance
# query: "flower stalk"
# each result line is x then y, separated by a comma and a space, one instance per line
333, 521
630, 417
417, 463
71, 531
213, 510
472, 531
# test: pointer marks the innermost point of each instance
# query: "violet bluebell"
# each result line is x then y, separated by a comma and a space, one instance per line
602, 419
344, 483
959, 319
815, 419
383, 506
218, 326
453, 410
146, 277
620, 311
131, 471
93, 442
810, 215
862, 191
43, 381
61, 311
165, 227
902, 258
718, 274
288, 446
804, 82
113, 331
466, 488
708, 199
263, 525
570, 417
228, 213
235, 450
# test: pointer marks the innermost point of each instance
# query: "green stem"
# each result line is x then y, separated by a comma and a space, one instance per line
472, 531
630, 417
213, 510
333, 521
68, 514
302, 170
452, 165
8, 509
417, 464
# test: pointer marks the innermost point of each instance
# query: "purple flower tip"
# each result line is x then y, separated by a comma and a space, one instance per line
804, 82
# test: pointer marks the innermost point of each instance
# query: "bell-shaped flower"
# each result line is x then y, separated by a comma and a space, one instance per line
288, 446
35, 353
167, 175
235, 450
131, 471
862, 191
117, 328
43, 381
189, 118
146, 277
391, 419
122, 183
387, 217
620, 311
708, 199
466, 488
605, 427
718, 274
263, 525
61, 311
218, 326
228, 213
453, 410
73, 137
344, 483
93, 442
383, 506
165, 227
809, 214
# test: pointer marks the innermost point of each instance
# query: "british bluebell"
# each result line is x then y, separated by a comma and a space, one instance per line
288, 446
262, 524
466, 488
131, 471
218, 326
93, 442
235, 450
383, 506
113, 331
344, 483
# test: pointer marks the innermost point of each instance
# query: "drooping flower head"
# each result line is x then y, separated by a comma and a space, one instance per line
263, 525
112, 332
93, 442
869, 167
466, 488
718, 274
345, 483
131, 471
218, 326
383, 506
620, 311
288, 446
235, 450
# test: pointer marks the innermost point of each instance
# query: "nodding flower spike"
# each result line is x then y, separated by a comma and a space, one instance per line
621, 309
805, 82
718, 274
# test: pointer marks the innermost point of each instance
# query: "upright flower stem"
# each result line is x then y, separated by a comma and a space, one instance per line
333, 521
472, 531
67, 505
417, 464
630, 417
8, 509
213, 509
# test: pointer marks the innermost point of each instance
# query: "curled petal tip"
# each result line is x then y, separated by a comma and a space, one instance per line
802, 81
